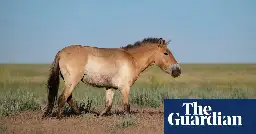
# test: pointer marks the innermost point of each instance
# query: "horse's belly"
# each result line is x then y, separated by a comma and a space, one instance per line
101, 73
98, 79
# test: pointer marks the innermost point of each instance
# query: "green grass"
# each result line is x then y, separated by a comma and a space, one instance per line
126, 122
18, 101
23, 87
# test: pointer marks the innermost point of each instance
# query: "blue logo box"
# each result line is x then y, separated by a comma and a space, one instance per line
210, 116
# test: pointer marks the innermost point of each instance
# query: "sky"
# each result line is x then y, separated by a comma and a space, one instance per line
202, 31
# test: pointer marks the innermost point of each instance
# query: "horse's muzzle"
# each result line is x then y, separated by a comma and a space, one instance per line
176, 70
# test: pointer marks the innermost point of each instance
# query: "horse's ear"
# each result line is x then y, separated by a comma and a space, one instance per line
161, 42
168, 42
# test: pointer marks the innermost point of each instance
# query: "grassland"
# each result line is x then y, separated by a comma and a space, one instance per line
23, 96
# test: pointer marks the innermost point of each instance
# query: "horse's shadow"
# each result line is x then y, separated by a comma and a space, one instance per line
68, 112
87, 109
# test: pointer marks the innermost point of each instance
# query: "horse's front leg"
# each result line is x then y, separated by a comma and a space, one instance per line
109, 101
125, 94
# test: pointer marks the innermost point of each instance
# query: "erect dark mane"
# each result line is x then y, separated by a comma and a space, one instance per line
141, 43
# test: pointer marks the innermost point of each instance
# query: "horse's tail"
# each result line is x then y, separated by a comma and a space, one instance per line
53, 84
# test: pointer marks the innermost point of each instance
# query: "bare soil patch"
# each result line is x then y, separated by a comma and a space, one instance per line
148, 121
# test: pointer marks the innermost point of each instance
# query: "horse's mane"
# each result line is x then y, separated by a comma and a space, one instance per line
142, 42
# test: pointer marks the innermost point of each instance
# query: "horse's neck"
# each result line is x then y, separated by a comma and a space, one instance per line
143, 59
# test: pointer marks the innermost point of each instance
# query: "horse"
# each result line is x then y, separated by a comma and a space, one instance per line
107, 68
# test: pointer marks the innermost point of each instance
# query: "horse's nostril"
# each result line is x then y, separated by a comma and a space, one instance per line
175, 70
179, 70
175, 73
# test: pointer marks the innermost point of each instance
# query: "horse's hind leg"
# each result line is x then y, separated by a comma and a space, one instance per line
71, 103
70, 100
109, 101
69, 86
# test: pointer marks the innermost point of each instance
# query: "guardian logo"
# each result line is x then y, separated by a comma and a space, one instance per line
210, 116
202, 115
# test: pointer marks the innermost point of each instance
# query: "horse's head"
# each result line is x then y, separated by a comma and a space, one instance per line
165, 59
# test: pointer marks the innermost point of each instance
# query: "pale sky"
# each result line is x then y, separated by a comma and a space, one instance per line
202, 31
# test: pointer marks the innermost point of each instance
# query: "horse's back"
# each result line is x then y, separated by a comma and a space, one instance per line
75, 53
72, 51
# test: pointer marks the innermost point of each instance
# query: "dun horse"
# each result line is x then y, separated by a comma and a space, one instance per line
111, 68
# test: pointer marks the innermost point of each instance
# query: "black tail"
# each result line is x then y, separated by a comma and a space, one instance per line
53, 85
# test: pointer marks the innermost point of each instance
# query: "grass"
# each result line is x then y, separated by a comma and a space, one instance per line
126, 122
23, 87
16, 102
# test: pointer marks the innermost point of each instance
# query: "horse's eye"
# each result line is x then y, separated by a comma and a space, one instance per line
165, 53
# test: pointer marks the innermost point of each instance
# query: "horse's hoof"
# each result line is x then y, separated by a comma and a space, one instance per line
102, 114
45, 116
77, 112
59, 117
127, 114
